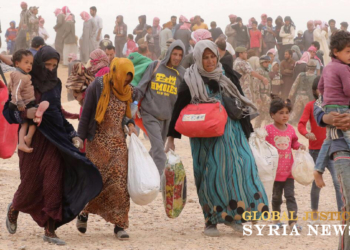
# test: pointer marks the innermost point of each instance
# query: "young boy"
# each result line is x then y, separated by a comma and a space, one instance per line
11, 34
255, 38
316, 137
22, 96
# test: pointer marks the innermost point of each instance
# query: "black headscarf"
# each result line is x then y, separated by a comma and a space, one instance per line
122, 21
287, 28
42, 78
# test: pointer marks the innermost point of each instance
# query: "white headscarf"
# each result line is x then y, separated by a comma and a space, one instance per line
193, 77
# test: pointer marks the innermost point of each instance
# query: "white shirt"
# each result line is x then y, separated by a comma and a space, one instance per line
99, 25
230, 49
43, 33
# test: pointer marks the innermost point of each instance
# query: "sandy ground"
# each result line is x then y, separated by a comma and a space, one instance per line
149, 226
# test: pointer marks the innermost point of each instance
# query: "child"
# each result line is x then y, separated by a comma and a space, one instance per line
282, 136
22, 96
255, 38
276, 80
316, 138
130, 46
11, 34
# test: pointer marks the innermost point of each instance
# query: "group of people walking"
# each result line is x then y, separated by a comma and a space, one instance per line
60, 183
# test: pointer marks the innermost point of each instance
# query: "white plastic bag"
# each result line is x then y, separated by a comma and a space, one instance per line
303, 168
143, 175
266, 158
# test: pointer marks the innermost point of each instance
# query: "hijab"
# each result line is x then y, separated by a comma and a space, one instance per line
194, 74
42, 78
114, 82
73, 56
304, 59
122, 21
80, 78
234, 17
200, 34
68, 13
86, 16
98, 60
250, 22
279, 21
296, 49
57, 12
155, 25
263, 22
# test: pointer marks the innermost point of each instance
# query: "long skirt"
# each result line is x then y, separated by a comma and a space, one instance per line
41, 189
226, 176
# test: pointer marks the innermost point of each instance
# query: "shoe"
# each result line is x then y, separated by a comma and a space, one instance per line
82, 223
11, 227
121, 235
54, 240
211, 231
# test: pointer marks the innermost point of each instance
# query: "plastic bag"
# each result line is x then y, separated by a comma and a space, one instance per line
174, 186
8, 132
143, 175
303, 168
266, 158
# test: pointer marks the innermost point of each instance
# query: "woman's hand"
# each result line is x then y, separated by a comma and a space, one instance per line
302, 147
78, 143
169, 144
132, 129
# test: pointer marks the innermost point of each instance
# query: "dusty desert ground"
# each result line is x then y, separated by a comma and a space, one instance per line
149, 226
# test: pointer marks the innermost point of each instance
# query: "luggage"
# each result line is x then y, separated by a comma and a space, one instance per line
202, 120
303, 167
266, 159
174, 186
8, 132
143, 175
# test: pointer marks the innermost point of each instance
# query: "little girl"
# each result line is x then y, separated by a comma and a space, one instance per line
22, 97
282, 136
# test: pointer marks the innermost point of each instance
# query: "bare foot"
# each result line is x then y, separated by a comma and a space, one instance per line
28, 140
23, 147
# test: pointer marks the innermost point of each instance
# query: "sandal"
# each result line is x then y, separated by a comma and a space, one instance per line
50, 234
120, 233
12, 215
211, 231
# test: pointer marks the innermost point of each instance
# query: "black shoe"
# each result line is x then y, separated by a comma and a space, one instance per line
82, 223
120, 233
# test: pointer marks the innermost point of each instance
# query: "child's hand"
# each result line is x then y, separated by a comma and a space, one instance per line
302, 147
319, 179
311, 136
21, 108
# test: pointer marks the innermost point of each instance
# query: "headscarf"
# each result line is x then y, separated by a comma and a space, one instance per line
305, 58
281, 23
194, 74
122, 22
99, 59
85, 16
42, 78
314, 49
80, 78
186, 24
263, 22
57, 12
317, 23
250, 22
168, 25
297, 50
272, 51
182, 19
24, 4
68, 13
287, 28
73, 56
142, 19
200, 34
131, 47
114, 82
234, 17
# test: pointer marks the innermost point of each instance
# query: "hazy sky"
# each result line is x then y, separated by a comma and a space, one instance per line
300, 10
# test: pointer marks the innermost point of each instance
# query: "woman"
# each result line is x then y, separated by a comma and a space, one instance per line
287, 33
87, 40
99, 63
220, 163
107, 103
296, 53
57, 181
301, 65
70, 42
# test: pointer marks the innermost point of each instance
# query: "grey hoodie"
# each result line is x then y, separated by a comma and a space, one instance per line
159, 90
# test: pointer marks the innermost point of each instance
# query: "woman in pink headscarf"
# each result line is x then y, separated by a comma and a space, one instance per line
59, 28
70, 41
42, 31
156, 29
184, 33
87, 39
99, 63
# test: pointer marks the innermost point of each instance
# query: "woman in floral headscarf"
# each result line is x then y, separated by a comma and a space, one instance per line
108, 100
99, 63
87, 40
